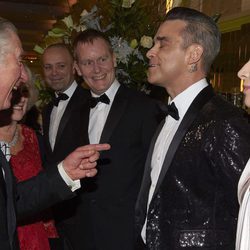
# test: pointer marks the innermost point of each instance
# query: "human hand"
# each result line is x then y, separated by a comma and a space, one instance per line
82, 161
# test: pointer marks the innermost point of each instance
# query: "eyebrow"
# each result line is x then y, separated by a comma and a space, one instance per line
162, 38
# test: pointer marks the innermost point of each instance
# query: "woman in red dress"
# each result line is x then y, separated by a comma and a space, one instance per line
33, 233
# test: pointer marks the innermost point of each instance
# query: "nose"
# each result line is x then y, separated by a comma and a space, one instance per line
96, 67
24, 75
54, 70
243, 74
151, 52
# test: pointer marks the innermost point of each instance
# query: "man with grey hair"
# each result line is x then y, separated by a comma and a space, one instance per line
48, 187
188, 196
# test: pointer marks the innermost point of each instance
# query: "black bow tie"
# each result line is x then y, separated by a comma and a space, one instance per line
94, 100
172, 111
60, 97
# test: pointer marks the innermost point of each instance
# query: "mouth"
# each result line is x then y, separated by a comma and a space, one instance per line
55, 80
246, 87
100, 77
152, 65
18, 107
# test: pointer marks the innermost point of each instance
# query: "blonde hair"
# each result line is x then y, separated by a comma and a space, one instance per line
32, 90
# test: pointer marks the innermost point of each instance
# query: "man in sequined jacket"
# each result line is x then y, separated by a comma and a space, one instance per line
188, 194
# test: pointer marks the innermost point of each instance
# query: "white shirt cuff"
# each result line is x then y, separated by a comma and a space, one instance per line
73, 185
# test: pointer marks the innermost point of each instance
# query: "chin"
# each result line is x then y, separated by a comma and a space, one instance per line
247, 100
151, 80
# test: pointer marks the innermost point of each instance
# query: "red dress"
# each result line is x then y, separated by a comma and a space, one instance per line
26, 164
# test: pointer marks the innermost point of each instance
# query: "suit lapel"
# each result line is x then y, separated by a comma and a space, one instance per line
114, 116
203, 97
142, 199
2, 182
73, 103
63, 122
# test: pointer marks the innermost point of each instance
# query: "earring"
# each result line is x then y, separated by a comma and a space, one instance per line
193, 68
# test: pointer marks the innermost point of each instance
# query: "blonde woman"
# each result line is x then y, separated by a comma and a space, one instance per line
243, 228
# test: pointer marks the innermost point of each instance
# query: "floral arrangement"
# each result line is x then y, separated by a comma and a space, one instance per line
45, 94
118, 19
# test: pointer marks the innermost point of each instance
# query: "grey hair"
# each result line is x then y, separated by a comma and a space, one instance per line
5, 28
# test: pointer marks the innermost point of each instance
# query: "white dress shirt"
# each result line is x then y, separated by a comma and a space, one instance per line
98, 115
182, 103
55, 118
57, 113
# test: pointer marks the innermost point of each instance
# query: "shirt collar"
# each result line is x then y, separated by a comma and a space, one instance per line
111, 91
70, 91
185, 98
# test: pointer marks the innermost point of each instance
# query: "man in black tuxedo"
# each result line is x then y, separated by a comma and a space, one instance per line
62, 120
48, 187
104, 216
188, 196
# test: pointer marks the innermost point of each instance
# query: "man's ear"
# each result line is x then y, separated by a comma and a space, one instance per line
76, 67
195, 52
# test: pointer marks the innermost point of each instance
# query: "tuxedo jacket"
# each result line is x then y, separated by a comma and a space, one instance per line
19, 201
104, 207
194, 205
70, 134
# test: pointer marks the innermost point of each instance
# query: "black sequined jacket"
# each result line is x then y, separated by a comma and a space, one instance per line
194, 205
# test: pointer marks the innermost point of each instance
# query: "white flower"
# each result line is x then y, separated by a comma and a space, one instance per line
146, 42
80, 28
68, 21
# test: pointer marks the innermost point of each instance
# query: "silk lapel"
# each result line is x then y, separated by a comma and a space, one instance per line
73, 104
141, 204
114, 116
203, 97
